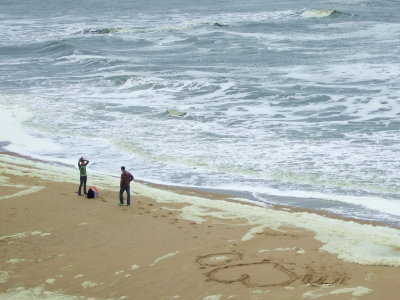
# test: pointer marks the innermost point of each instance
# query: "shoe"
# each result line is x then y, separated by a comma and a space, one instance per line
119, 204
128, 205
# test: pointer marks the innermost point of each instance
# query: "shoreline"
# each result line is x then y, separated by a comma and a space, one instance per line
227, 195
57, 245
234, 199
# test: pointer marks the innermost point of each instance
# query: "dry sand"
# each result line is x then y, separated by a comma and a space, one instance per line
177, 244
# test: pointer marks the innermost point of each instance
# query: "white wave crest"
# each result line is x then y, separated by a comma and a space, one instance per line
318, 13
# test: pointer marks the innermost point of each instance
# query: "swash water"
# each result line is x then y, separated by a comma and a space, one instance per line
288, 102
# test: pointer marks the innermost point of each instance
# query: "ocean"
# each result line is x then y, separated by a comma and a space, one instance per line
281, 102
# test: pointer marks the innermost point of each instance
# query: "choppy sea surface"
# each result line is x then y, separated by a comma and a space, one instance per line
288, 102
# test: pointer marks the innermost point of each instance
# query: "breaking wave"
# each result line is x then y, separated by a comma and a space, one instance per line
319, 13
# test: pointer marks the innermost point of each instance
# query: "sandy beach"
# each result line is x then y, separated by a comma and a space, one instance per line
176, 243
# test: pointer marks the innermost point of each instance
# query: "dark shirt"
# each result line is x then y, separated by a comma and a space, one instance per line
126, 178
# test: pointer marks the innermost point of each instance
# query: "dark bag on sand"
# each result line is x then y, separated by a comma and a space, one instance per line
90, 193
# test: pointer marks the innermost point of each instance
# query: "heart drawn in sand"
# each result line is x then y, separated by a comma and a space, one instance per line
250, 274
253, 274
265, 273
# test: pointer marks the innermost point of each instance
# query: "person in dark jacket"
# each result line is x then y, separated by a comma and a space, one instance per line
82, 163
124, 185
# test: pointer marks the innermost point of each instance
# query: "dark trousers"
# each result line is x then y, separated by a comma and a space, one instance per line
126, 188
83, 182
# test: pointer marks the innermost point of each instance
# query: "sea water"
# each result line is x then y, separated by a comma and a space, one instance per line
284, 102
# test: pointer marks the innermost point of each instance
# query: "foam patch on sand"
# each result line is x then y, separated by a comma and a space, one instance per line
29, 190
40, 233
4, 276
359, 243
213, 297
50, 281
15, 260
89, 284
164, 257
14, 236
119, 272
135, 267
298, 250
24, 234
219, 258
252, 232
38, 293
322, 292
4, 180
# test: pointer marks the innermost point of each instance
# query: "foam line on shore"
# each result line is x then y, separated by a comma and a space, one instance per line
353, 242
